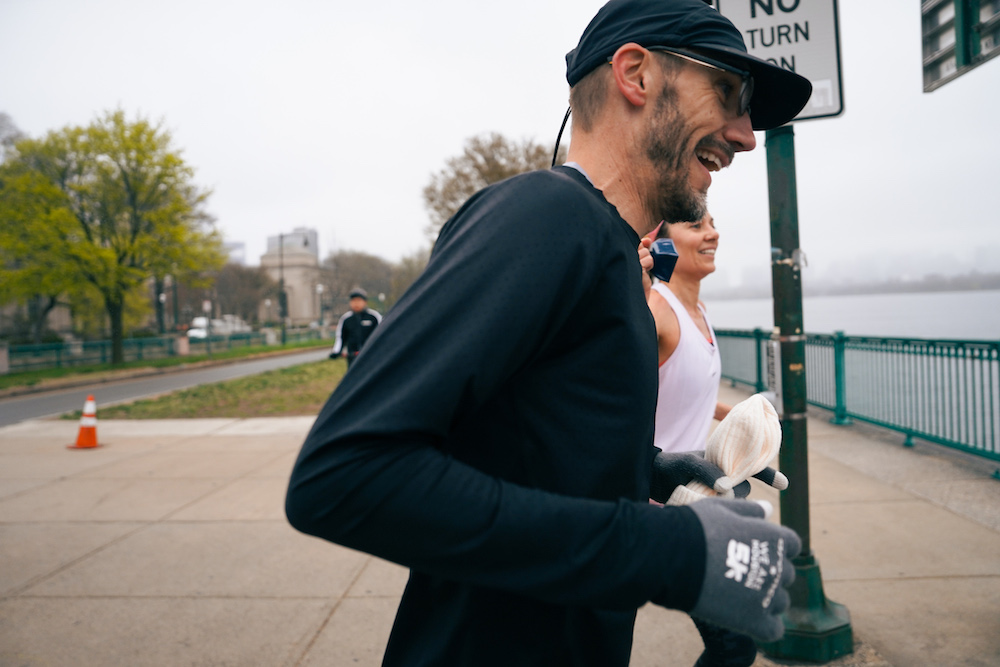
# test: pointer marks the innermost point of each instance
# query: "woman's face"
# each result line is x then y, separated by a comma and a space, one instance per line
696, 243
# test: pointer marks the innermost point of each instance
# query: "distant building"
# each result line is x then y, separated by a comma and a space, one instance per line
237, 252
294, 258
300, 238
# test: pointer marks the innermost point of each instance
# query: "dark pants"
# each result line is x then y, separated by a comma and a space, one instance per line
724, 648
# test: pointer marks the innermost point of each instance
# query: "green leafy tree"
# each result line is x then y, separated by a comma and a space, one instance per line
32, 215
90, 320
111, 205
35, 287
486, 159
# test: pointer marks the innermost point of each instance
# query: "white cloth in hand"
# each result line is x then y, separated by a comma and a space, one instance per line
742, 445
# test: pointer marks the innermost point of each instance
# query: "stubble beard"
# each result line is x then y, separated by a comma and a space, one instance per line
673, 199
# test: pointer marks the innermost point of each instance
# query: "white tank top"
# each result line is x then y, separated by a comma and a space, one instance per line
689, 384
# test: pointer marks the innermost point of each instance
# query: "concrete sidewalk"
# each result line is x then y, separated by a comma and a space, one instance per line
168, 545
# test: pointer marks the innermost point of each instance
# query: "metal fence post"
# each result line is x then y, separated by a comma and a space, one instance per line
758, 338
840, 380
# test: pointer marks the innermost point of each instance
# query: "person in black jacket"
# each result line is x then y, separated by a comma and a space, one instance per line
354, 327
497, 440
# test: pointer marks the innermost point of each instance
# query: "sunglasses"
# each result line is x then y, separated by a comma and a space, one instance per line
746, 81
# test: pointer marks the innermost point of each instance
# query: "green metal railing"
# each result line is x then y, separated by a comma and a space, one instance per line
218, 343
942, 391
68, 355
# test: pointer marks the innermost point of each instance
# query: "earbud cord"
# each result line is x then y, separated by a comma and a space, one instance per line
562, 127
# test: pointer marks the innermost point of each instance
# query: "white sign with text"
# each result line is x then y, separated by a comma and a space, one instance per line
798, 35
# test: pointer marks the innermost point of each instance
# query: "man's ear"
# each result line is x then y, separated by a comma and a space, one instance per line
631, 66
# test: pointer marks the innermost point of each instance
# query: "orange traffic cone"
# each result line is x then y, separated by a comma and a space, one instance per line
87, 437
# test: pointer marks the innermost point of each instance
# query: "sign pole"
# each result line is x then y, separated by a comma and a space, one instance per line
816, 629
803, 37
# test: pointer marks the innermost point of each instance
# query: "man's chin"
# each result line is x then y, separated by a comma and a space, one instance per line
687, 209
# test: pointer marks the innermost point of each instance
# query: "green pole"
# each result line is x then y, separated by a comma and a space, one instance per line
966, 32
758, 338
840, 380
282, 296
177, 317
816, 629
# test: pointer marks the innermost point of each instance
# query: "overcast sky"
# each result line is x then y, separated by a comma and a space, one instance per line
333, 115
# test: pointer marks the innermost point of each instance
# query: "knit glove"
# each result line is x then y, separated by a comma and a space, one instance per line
741, 447
675, 469
747, 568
672, 470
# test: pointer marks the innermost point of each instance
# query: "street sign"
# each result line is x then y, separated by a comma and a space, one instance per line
957, 36
798, 35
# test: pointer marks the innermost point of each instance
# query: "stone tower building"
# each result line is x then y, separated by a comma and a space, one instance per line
293, 258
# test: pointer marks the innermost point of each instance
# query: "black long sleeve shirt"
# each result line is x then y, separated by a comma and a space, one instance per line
499, 441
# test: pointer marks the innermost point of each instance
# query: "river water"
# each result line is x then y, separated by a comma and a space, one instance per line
971, 315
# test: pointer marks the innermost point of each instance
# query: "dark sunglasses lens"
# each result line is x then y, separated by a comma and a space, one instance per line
746, 92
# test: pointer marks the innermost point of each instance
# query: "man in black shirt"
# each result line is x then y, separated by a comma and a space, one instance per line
499, 441
354, 327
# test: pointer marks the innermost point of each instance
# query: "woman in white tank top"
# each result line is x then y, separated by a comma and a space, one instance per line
690, 371
690, 367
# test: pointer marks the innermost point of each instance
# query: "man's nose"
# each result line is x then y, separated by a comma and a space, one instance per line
739, 133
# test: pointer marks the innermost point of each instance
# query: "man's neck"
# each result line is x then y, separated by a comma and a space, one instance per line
616, 180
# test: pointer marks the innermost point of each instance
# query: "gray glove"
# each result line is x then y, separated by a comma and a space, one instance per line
675, 469
747, 568
769, 476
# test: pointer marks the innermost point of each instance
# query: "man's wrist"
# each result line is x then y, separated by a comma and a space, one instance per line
680, 552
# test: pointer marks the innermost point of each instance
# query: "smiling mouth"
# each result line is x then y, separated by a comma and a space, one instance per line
710, 251
711, 162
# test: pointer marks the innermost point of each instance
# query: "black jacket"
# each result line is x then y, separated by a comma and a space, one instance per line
499, 441
353, 329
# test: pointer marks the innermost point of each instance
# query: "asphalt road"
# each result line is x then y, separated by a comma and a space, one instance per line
57, 402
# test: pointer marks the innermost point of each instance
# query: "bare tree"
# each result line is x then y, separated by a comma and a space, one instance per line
241, 289
9, 135
405, 273
345, 270
486, 159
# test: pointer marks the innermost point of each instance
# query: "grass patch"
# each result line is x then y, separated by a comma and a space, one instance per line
285, 392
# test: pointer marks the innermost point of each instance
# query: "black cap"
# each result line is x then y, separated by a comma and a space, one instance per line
691, 25
358, 292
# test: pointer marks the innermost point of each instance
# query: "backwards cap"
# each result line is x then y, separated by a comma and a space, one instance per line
690, 25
